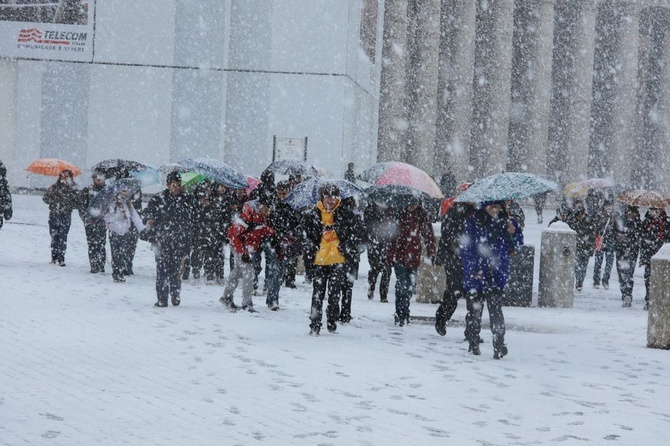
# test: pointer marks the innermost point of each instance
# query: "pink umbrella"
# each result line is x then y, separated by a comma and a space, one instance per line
398, 173
253, 183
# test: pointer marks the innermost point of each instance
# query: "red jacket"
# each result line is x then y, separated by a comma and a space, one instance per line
248, 229
406, 246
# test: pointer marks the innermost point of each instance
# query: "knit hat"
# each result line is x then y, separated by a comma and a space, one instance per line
173, 176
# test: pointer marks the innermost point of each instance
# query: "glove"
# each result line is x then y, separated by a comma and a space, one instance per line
246, 258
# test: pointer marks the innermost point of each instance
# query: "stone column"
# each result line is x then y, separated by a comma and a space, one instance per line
613, 111
572, 82
492, 75
531, 86
454, 99
423, 76
658, 322
392, 112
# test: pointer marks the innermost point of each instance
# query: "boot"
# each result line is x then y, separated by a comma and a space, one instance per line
440, 326
499, 350
331, 326
474, 348
314, 329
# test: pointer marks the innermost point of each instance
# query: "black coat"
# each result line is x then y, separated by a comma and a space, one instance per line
451, 233
174, 218
62, 199
344, 225
5, 200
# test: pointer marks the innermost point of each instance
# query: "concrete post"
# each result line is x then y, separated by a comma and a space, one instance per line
430, 279
454, 99
531, 86
658, 325
423, 77
572, 82
557, 266
392, 112
492, 77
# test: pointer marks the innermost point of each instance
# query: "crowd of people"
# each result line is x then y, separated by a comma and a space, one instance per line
613, 232
190, 232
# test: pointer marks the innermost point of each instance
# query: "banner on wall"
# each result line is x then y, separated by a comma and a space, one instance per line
47, 29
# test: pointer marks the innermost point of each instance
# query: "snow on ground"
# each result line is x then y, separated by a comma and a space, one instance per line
87, 361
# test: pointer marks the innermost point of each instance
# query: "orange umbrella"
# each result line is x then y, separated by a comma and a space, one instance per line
52, 167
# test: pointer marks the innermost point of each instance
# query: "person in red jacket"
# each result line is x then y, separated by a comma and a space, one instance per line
404, 254
246, 234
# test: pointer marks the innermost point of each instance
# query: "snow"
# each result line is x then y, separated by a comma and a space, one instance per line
88, 361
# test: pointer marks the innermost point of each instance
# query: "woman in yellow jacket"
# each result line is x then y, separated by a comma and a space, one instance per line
330, 236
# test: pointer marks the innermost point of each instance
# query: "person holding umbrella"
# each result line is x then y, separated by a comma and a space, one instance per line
170, 216
488, 242
96, 234
62, 198
121, 216
404, 252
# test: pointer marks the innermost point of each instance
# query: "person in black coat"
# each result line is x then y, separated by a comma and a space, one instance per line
380, 227
130, 247
96, 233
359, 239
627, 232
330, 241
449, 255
654, 234
605, 246
62, 198
222, 214
5, 196
582, 223
170, 216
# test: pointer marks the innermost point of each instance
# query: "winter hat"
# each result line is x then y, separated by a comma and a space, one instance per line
173, 176
3, 170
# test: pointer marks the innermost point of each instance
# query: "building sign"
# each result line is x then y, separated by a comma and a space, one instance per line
47, 29
289, 149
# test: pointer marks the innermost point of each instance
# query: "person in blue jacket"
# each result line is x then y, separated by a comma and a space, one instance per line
490, 238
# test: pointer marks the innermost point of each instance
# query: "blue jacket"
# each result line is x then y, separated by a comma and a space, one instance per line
486, 251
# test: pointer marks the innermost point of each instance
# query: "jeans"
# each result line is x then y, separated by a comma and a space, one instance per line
96, 236
598, 261
473, 320
119, 247
274, 275
331, 278
59, 226
168, 279
405, 287
241, 270
582, 261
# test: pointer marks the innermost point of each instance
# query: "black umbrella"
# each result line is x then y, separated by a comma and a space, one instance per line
116, 167
292, 167
99, 204
217, 171
398, 196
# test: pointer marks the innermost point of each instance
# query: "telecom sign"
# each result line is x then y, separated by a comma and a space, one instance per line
50, 29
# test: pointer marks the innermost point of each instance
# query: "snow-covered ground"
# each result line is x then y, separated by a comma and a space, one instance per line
85, 361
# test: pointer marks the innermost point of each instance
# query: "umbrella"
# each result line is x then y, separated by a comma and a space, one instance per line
116, 167
253, 183
147, 177
581, 188
506, 186
52, 167
397, 173
307, 193
643, 197
100, 202
398, 196
292, 167
191, 179
217, 171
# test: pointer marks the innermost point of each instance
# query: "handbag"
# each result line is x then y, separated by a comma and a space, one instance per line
599, 237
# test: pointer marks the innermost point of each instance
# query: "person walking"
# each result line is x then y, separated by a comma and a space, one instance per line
119, 219
449, 255
380, 226
350, 175
404, 253
655, 230
96, 233
604, 246
330, 242
489, 240
170, 216
246, 234
627, 232
6, 211
359, 239
582, 223
62, 198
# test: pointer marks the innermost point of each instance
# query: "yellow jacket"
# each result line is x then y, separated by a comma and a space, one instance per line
329, 252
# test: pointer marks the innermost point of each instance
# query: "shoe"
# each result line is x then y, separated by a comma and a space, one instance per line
290, 285
606, 286
54, 261
184, 276
500, 351
441, 326
627, 301
176, 300
220, 281
332, 326
274, 306
474, 348
196, 275
384, 300
228, 303
646, 306
314, 329
209, 282
249, 308
119, 280
345, 319
481, 340
371, 293
61, 263
160, 304
578, 288
596, 286
94, 271
128, 272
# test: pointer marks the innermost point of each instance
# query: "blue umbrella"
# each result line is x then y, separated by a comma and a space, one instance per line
147, 177
306, 193
217, 171
292, 167
100, 202
506, 186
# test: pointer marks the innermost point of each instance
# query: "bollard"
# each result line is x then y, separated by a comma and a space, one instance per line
430, 279
658, 322
519, 291
557, 266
